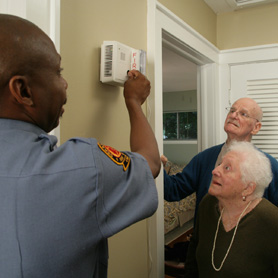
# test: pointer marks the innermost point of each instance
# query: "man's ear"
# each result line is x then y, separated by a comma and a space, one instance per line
256, 128
19, 88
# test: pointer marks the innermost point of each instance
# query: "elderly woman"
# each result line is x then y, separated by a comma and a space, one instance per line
236, 232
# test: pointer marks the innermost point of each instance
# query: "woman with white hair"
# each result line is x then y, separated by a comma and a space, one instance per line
236, 229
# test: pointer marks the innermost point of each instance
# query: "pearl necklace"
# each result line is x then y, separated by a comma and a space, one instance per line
215, 237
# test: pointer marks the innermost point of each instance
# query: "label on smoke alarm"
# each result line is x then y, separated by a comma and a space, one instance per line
135, 60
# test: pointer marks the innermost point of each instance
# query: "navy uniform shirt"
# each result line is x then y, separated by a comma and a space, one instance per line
59, 205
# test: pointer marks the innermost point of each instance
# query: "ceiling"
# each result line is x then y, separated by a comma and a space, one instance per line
179, 74
221, 6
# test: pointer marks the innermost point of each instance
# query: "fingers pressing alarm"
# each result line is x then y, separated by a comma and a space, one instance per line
132, 73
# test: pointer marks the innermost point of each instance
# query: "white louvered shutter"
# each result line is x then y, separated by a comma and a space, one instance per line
265, 93
259, 81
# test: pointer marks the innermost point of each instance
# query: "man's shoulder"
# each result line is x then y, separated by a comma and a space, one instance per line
208, 155
212, 150
271, 158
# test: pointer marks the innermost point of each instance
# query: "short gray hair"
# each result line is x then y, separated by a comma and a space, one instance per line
255, 166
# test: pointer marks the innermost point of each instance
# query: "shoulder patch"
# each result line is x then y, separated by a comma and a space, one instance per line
116, 156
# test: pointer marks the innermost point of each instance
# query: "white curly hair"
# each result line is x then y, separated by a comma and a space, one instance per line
254, 166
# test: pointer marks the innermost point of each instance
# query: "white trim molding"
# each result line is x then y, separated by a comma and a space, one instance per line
164, 27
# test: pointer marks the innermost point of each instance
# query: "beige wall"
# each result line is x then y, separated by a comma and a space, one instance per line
97, 110
180, 152
248, 27
180, 101
195, 13
242, 28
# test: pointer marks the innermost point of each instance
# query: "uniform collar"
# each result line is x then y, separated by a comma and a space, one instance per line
9, 124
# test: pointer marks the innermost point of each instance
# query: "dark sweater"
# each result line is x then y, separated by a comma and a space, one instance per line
254, 252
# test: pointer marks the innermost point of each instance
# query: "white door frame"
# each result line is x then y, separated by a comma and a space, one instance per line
166, 27
213, 94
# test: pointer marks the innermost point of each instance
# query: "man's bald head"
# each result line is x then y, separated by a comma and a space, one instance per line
20, 47
32, 88
243, 120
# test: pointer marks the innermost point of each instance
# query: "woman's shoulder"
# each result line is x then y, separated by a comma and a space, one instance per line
208, 201
268, 211
266, 204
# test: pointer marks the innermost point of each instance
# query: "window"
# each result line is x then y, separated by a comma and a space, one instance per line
180, 125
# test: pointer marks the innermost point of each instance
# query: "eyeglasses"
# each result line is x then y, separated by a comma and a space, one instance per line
242, 114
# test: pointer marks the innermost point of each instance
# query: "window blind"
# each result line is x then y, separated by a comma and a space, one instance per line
265, 93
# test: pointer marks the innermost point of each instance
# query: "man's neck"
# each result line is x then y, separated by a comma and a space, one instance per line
230, 139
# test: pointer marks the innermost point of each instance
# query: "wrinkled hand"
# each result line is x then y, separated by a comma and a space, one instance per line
137, 87
163, 159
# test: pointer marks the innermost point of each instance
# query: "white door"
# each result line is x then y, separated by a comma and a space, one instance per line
259, 81
247, 78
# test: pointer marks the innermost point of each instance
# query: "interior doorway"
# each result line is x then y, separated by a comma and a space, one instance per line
167, 30
180, 107
180, 145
